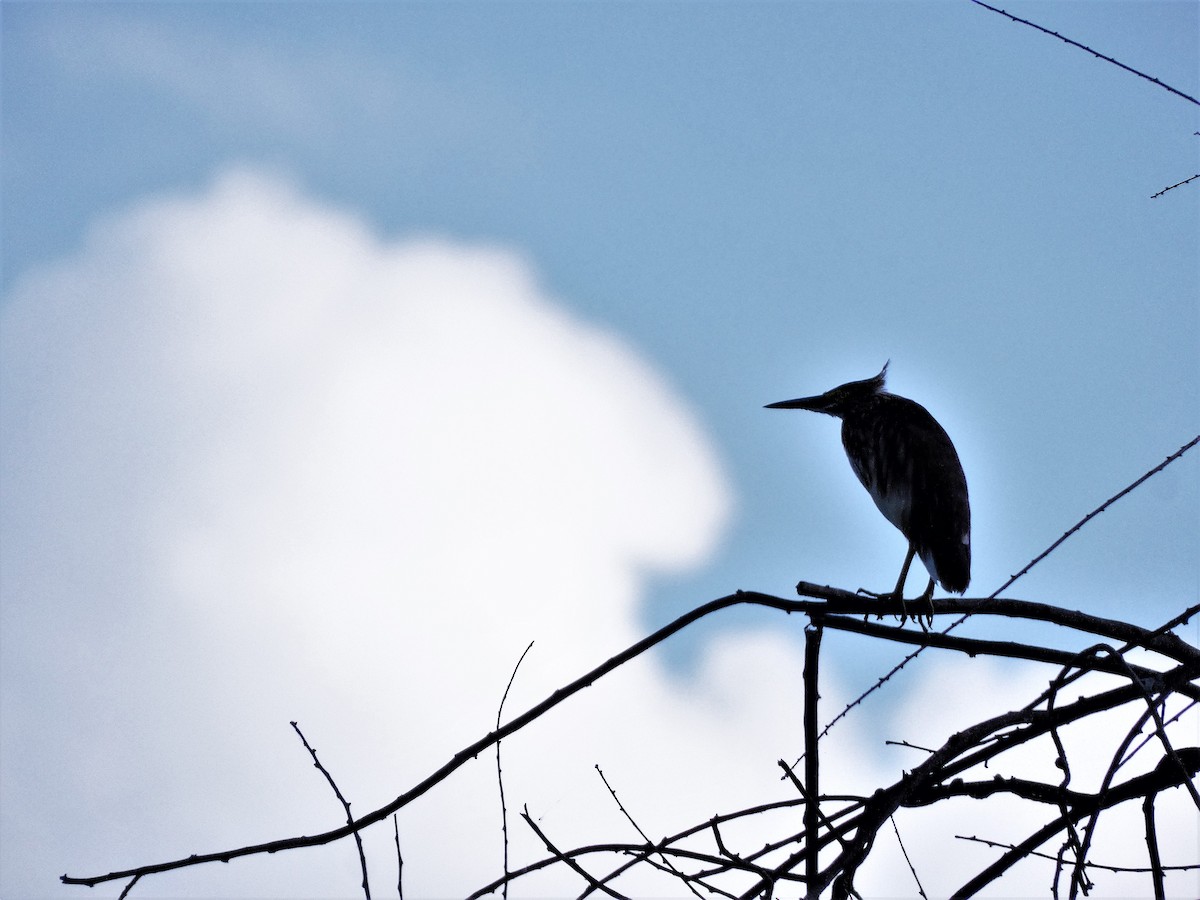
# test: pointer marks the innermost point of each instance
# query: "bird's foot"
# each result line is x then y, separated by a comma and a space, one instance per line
925, 619
874, 596
889, 596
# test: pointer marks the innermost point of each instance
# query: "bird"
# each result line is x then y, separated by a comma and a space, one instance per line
909, 466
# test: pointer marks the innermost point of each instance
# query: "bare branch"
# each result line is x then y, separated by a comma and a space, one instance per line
1133, 486
399, 857
1013, 579
129, 887
1162, 643
1148, 738
456, 762
1171, 758
824, 819
499, 771
1167, 644
1173, 186
571, 863
1156, 867
362, 859
904, 850
969, 748
852, 830
1122, 870
812, 804
1071, 840
644, 836
1013, 650
1067, 40
1152, 782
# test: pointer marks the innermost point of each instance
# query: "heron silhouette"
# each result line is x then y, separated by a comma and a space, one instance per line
909, 466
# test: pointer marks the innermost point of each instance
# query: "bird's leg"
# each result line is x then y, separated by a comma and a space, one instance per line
927, 599
898, 593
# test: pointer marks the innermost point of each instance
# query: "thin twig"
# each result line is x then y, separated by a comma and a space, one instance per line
1099, 509
470, 752
1160, 728
970, 747
1156, 867
1014, 578
904, 850
1136, 787
645, 837
499, 772
1173, 186
1148, 738
362, 858
1104, 867
988, 744
641, 852
908, 744
1067, 40
571, 863
461, 758
399, 857
1079, 877
1062, 761
129, 887
822, 817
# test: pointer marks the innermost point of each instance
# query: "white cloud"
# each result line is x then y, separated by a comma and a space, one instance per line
263, 465
260, 465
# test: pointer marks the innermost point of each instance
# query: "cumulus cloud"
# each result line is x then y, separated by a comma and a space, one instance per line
261, 464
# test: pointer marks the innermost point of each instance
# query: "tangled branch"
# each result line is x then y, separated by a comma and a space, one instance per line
839, 831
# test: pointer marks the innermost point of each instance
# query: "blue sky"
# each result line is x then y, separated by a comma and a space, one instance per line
506, 286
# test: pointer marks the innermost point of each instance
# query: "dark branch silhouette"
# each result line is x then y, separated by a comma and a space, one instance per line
803, 587
839, 832
962, 751
362, 859
399, 857
1067, 40
499, 770
812, 790
1173, 186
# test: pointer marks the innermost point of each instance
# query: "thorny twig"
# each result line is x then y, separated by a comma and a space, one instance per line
1142, 785
1067, 40
1173, 186
855, 827
1104, 867
1014, 578
362, 859
568, 860
638, 829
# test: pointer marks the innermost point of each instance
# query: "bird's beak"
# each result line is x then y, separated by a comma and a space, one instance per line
815, 404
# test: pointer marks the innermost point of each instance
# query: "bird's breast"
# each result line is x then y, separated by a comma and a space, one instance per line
894, 505
886, 473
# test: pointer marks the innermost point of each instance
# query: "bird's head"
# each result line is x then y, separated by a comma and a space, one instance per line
841, 399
